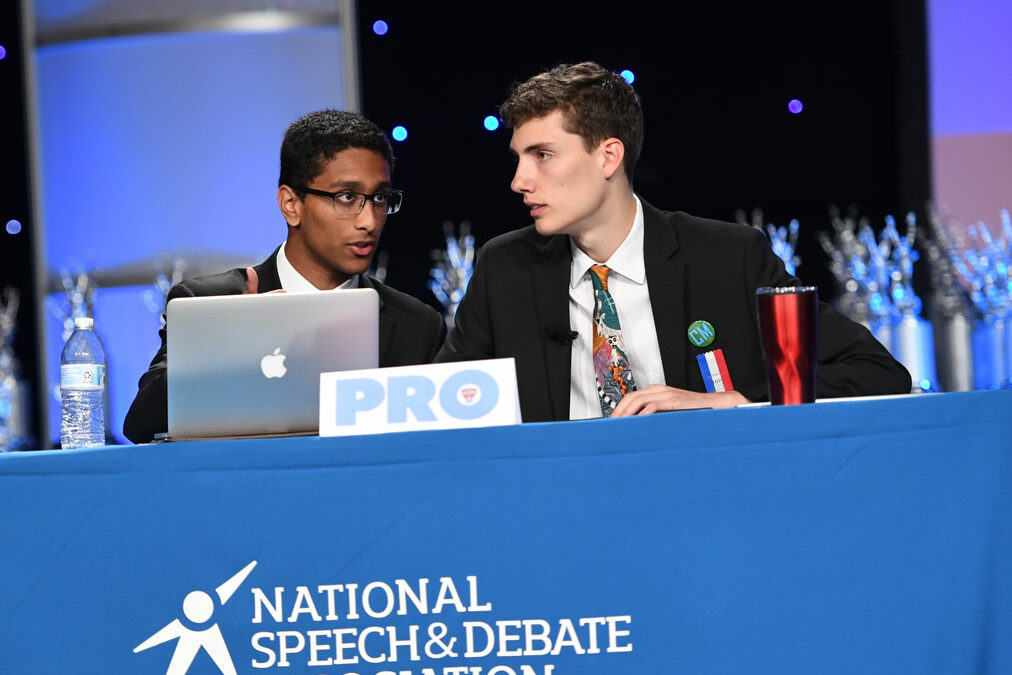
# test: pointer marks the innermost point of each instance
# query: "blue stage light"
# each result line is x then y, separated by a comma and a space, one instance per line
795, 106
399, 133
13, 227
925, 385
3, 52
628, 75
491, 122
380, 27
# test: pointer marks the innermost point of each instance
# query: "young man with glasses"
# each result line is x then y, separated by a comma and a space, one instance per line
335, 193
607, 303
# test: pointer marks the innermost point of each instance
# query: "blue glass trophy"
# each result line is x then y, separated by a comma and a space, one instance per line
984, 266
783, 239
847, 256
952, 313
14, 397
452, 269
913, 338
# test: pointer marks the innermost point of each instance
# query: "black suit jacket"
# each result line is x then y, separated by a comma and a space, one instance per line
517, 304
410, 333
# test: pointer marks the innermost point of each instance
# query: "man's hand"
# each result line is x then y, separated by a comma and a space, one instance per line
658, 398
252, 282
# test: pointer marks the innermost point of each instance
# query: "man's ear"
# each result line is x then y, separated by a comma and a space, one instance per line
613, 152
290, 205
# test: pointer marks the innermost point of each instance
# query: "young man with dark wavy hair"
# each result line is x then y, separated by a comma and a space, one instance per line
335, 193
597, 299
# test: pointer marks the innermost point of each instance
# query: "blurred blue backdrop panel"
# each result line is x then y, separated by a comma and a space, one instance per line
971, 108
167, 145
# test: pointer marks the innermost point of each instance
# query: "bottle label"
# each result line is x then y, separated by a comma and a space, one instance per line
82, 375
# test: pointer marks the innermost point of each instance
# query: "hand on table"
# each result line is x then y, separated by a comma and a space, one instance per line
252, 282
658, 398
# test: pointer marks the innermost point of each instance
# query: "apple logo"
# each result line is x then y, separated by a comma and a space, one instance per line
273, 365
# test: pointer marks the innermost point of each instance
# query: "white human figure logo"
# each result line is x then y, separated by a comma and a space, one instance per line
198, 607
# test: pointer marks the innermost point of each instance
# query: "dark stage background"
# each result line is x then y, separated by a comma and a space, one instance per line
715, 82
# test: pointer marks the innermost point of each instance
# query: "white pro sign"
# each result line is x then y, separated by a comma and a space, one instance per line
437, 396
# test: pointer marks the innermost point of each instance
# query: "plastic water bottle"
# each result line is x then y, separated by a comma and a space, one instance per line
82, 388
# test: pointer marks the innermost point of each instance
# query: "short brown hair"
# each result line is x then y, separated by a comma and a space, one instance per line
596, 104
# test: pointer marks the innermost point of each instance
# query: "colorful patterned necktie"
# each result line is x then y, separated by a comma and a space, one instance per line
614, 378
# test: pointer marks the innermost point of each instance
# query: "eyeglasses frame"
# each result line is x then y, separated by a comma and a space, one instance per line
365, 197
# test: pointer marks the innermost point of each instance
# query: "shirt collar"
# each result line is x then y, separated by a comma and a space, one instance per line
293, 282
627, 259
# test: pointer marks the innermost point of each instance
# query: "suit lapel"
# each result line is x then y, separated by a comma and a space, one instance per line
666, 281
551, 300
267, 274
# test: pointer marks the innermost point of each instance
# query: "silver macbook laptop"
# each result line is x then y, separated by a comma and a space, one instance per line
249, 365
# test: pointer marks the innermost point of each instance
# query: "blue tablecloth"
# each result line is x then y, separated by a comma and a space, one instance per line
843, 537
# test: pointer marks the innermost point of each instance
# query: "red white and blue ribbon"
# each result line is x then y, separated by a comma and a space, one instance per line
714, 369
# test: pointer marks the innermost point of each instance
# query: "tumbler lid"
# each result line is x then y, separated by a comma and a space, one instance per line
785, 290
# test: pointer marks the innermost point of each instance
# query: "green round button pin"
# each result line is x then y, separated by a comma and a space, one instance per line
701, 333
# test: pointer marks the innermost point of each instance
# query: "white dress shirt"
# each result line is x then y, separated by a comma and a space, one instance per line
293, 282
627, 283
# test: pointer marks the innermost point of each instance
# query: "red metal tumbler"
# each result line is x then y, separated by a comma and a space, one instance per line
789, 329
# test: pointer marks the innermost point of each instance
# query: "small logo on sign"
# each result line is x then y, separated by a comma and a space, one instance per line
469, 394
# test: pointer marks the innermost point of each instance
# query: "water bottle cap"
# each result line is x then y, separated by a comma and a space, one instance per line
84, 322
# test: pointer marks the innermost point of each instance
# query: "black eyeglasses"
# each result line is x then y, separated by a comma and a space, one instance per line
348, 203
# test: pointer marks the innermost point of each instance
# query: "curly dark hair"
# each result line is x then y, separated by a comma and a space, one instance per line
312, 140
596, 104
